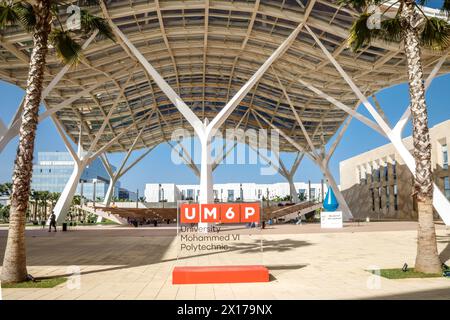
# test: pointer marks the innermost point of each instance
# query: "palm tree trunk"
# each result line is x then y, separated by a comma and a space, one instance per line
14, 263
427, 259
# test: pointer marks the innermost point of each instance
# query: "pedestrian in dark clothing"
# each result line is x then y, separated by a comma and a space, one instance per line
52, 222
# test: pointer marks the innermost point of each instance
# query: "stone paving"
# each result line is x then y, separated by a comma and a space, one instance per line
305, 262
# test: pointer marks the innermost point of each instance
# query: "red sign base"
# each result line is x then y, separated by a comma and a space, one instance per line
219, 274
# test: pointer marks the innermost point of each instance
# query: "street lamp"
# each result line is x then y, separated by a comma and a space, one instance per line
137, 198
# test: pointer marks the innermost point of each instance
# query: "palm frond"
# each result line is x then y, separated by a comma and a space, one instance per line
354, 3
360, 34
67, 49
17, 13
446, 6
89, 3
8, 14
360, 4
90, 23
27, 17
391, 29
435, 34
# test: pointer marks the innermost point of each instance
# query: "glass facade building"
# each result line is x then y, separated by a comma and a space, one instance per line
53, 170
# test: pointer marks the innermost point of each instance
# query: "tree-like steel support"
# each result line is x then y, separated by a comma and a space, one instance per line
81, 160
114, 176
440, 202
283, 171
204, 130
318, 159
8, 133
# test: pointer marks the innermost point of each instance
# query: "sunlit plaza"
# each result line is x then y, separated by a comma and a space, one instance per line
305, 262
224, 150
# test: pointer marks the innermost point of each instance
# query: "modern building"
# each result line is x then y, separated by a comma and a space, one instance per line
231, 192
53, 170
125, 194
5, 200
377, 183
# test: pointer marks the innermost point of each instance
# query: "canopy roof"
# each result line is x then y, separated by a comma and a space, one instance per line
206, 50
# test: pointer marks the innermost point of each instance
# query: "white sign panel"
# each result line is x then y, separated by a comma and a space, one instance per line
331, 219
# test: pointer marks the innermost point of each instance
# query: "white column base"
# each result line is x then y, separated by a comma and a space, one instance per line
65, 200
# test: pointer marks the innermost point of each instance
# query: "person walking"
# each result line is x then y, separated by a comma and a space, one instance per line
52, 222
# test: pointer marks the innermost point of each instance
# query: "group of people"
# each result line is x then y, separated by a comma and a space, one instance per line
143, 221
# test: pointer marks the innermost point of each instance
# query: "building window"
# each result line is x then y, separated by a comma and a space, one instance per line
447, 187
395, 197
373, 199
445, 157
362, 176
386, 173
394, 170
388, 202
379, 198
230, 195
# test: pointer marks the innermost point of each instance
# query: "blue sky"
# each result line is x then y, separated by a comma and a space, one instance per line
157, 167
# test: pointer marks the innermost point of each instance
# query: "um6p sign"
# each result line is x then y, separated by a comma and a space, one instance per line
222, 213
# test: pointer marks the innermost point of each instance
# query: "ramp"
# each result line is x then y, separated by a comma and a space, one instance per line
294, 211
105, 215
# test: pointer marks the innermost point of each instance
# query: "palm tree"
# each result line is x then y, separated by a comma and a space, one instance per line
35, 196
40, 18
410, 25
45, 195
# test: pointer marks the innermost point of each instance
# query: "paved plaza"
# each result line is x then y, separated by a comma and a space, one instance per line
305, 262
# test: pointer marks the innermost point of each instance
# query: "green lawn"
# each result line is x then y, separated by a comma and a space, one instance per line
38, 283
410, 273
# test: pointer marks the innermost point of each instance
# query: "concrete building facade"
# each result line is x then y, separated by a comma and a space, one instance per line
377, 183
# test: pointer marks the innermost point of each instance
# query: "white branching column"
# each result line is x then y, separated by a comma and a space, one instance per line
81, 160
206, 179
321, 161
204, 130
440, 202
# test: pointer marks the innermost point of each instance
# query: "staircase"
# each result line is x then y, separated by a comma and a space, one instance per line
293, 211
105, 215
